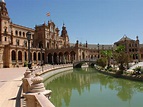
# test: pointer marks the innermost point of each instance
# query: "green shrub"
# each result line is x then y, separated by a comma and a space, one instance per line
138, 68
110, 69
25, 64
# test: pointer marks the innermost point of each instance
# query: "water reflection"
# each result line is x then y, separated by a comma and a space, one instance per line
75, 84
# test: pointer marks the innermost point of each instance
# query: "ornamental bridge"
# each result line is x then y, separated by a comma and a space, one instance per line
90, 62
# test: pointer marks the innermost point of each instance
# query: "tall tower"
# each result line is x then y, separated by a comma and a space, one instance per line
64, 34
5, 29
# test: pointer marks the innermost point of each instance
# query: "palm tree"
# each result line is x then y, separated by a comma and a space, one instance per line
120, 56
107, 54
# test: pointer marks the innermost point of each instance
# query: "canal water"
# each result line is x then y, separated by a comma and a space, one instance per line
87, 88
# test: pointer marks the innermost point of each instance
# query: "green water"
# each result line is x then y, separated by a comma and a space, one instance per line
88, 88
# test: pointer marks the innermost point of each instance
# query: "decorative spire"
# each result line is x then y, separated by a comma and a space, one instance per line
86, 44
64, 31
137, 37
125, 36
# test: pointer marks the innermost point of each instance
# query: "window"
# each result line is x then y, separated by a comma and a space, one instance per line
19, 56
25, 43
13, 54
5, 39
5, 31
23, 34
32, 44
20, 33
17, 42
16, 32
48, 46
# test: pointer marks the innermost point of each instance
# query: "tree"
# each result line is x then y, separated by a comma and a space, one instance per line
101, 62
120, 56
107, 54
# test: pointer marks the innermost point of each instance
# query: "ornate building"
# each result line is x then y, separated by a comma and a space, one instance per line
132, 47
48, 44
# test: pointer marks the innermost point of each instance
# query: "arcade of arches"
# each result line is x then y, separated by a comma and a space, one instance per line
18, 56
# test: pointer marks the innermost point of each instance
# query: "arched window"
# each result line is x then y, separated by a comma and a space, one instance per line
23, 34
39, 56
19, 56
16, 32
34, 56
48, 45
19, 33
13, 55
5, 39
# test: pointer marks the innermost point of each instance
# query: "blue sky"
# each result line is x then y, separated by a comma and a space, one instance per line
94, 21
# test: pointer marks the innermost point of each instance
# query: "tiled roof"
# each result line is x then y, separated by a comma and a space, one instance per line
125, 38
95, 46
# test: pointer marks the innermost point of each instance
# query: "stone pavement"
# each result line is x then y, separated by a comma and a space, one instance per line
10, 82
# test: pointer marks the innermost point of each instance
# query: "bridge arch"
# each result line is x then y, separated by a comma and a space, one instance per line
90, 62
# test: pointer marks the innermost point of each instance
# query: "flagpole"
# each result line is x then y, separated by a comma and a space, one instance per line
48, 15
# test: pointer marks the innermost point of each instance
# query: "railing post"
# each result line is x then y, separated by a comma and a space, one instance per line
37, 87
26, 80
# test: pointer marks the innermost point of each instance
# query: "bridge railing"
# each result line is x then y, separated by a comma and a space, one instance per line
85, 60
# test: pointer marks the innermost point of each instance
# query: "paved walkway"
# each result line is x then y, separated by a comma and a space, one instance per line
10, 82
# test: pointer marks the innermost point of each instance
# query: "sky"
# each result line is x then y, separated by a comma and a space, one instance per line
94, 21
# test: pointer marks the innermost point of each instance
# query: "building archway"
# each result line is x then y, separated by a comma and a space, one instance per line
55, 58
66, 57
20, 56
34, 56
61, 58
13, 56
83, 56
72, 56
50, 58
39, 56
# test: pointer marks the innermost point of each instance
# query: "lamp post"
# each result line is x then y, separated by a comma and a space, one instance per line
98, 50
28, 35
41, 56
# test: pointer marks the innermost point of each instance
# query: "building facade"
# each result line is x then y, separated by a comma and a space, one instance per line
48, 44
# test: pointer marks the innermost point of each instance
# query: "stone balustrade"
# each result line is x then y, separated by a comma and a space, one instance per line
34, 91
